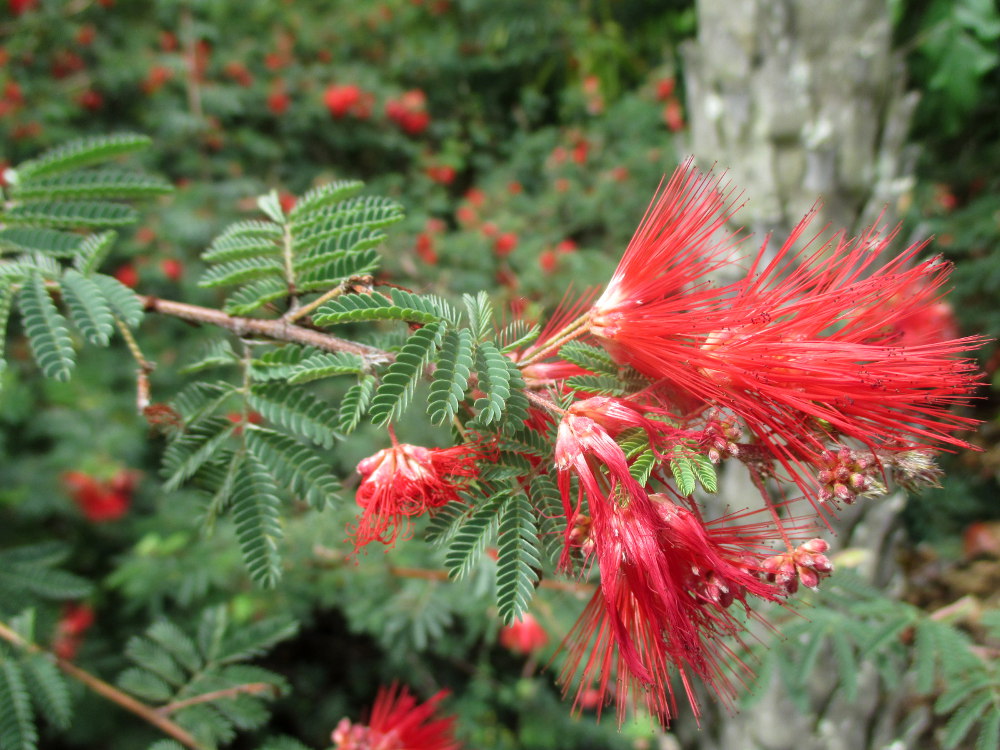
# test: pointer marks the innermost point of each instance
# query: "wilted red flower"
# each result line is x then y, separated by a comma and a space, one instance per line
802, 348
399, 722
405, 481
524, 636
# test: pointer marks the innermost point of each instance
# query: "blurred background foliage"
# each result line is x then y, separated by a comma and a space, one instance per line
524, 140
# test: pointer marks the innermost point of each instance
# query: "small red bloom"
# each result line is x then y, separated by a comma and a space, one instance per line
74, 621
99, 501
278, 100
547, 261
425, 249
172, 268
406, 481
524, 636
157, 76
17, 7
85, 35
90, 99
399, 722
505, 244
127, 275
287, 201
476, 197
665, 88
238, 72
340, 100
673, 115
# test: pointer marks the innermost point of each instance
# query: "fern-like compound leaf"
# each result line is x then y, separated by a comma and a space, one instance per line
326, 365
494, 382
93, 250
215, 353
324, 195
366, 213
193, 448
17, 721
547, 503
241, 271
240, 247
177, 643
962, 721
255, 295
49, 691
516, 335
70, 214
401, 377
596, 385
470, 540
349, 308
80, 153
257, 518
451, 376
591, 358
336, 248
517, 558
46, 329
254, 639
296, 410
355, 404
123, 301
93, 184
155, 659
279, 363
296, 465
52, 242
88, 309
6, 303
480, 312
340, 267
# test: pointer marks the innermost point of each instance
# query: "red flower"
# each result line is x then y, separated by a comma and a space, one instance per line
172, 268
505, 244
524, 636
90, 99
547, 261
425, 249
74, 621
239, 73
399, 722
802, 348
409, 111
406, 481
17, 7
127, 275
340, 100
278, 100
157, 76
99, 501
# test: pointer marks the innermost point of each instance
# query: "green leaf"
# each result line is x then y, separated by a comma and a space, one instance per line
214, 353
337, 269
93, 250
197, 445
6, 303
470, 540
363, 214
92, 184
925, 655
296, 410
40, 239
255, 295
257, 519
279, 363
123, 301
445, 522
355, 403
683, 470
238, 247
324, 195
153, 658
596, 385
49, 690
592, 358
17, 726
295, 464
480, 311
989, 732
516, 335
349, 308
241, 271
704, 469
451, 376
401, 377
80, 153
177, 643
964, 718
547, 502
88, 309
326, 365
145, 685
254, 639
494, 382
46, 329
517, 558
71, 214
270, 205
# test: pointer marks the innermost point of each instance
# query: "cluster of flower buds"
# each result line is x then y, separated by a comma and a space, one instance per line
806, 564
722, 433
847, 475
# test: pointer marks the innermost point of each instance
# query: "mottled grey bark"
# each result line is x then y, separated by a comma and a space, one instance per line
803, 100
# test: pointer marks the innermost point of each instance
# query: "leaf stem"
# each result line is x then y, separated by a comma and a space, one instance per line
278, 330
573, 330
251, 688
106, 690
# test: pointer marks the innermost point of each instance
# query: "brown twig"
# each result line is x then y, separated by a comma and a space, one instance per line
105, 690
278, 330
251, 688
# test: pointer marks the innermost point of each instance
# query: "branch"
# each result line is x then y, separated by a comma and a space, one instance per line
106, 690
278, 330
251, 688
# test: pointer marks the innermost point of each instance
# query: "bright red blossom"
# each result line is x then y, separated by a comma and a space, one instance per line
399, 722
524, 636
404, 482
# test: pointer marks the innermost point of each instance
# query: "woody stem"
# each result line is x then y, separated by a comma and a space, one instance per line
105, 690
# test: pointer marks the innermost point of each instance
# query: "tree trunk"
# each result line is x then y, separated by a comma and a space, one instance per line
803, 100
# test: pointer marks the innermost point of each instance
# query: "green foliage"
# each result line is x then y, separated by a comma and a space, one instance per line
198, 678
400, 380
451, 376
494, 382
517, 559
46, 329
29, 574
355, 404
296, 410
591, 358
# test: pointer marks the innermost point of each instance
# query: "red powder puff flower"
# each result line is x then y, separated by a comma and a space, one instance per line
524, 636
75, 620
399, 722
406, 481
802, 348
99, 501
